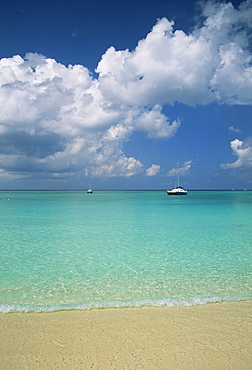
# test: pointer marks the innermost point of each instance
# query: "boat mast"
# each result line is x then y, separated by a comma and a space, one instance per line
178, 171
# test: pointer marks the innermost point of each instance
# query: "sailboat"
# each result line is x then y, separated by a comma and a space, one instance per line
90, 190
178, 190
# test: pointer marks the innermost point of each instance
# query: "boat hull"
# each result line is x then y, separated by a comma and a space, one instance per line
176, 193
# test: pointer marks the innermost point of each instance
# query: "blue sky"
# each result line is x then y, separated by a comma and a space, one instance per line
110, 93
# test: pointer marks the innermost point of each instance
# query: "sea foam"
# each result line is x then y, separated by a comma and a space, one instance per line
171, 302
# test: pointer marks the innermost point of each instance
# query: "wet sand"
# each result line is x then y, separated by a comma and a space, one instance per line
214, 336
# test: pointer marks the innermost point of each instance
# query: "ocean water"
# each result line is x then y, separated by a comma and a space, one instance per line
70, 250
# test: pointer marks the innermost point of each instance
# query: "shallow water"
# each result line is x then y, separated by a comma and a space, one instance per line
64, 250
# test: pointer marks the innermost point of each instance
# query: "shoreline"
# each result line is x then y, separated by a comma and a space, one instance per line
211, 336
103, 305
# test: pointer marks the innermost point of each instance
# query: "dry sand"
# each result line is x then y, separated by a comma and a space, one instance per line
214, 336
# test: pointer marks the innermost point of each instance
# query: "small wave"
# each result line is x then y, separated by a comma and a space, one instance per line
169, 302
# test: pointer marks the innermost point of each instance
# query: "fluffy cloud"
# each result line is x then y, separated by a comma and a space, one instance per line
243, 150
156, 124
55, 119
211, 63
153, 170
183, 170
59, 120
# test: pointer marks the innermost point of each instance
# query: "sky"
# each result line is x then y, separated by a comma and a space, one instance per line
113, 93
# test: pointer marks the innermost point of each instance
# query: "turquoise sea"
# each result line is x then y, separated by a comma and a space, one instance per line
65, 250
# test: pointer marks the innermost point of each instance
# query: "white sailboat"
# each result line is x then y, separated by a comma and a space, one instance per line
178, 190
90, 190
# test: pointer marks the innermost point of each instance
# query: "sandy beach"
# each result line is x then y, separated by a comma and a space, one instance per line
214, 336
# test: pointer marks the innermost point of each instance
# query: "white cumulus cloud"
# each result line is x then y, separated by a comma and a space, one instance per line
243, 150
211, 63
183, 170
153, 170
59, 120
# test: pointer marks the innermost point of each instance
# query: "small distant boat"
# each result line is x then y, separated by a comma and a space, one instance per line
90, 191
178, 190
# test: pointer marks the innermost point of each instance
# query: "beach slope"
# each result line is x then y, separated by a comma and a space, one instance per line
214, 336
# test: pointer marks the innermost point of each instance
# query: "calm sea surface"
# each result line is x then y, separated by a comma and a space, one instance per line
66, 250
